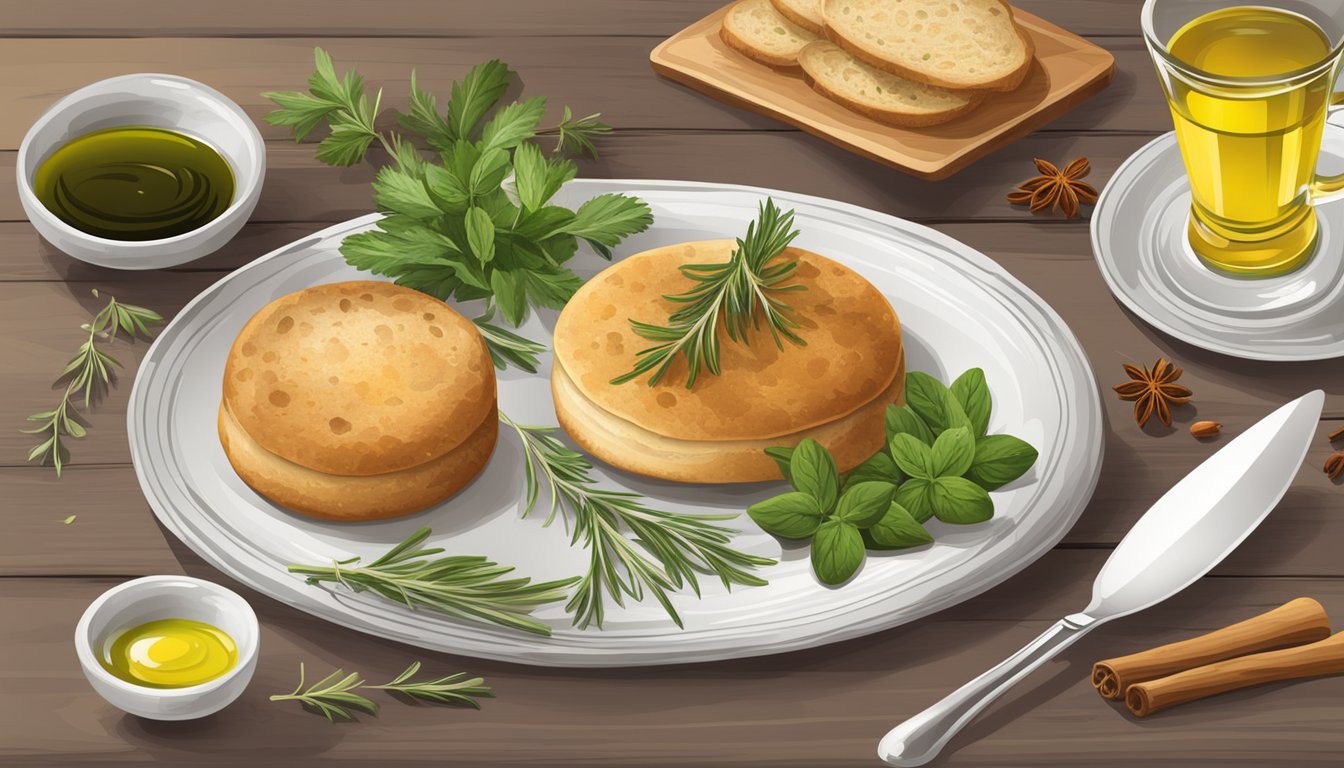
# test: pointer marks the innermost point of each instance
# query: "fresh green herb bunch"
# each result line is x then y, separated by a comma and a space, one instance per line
742, 292
938, 462
452, 230
88, 376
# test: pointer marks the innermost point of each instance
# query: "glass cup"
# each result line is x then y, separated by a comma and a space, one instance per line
1249, 89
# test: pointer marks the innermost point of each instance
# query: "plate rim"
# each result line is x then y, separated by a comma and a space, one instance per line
1065, 348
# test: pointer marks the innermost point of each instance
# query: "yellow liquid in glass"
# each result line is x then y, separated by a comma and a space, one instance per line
170, 653
1251, 149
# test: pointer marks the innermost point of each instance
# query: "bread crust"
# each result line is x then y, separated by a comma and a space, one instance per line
359, 378
889, 117
355, 498
794, 16
622, 444
851, 356
1006, 82
755, 54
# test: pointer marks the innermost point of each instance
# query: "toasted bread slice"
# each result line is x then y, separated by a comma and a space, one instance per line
756, 29
880, 95
804, 13
964, 44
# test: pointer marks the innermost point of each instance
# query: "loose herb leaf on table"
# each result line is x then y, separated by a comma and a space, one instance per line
668, 549
88, 376
467, 587
741, 292
938, 462
452, 230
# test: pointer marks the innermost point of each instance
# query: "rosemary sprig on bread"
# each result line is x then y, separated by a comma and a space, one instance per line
741, 293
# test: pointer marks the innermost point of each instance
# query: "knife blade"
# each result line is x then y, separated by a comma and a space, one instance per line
1179, 539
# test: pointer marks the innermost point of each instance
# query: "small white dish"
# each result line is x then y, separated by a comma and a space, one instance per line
1139, 240
160, 101
168, 597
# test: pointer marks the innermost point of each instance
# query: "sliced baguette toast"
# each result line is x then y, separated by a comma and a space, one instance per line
882, 96
756, 29
961, 44
804, 13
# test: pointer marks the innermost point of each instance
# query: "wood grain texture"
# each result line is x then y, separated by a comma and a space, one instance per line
435, 18
611, 75
824, 707
1066, 70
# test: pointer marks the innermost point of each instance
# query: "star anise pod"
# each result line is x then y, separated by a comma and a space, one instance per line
1055, 188
1154, 391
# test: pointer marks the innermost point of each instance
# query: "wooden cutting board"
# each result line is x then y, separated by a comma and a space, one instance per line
1066, 71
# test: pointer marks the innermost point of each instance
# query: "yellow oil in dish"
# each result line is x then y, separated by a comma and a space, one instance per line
170, 653
1251, 146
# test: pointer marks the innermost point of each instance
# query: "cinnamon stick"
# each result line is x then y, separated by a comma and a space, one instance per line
1325, 657
1299, 621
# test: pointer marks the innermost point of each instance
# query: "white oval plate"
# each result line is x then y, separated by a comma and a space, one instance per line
1139, 240
959, 309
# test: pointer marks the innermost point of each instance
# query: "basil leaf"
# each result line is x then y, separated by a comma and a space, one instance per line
510, 295
954, 416
999, 460
927, 397
480, 234
791, 515
865, 503
783, 457
812, 471
913, 457
902, 420
916, 495
972, 392
952, 453
879, 467
837, 551
958, 500
898, 529
489, 171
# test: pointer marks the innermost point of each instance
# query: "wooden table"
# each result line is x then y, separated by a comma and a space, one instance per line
825, 707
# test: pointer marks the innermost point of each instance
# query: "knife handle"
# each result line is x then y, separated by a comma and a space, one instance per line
920, 739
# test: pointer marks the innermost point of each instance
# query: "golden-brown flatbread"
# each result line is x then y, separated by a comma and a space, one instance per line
359, 378
833, 389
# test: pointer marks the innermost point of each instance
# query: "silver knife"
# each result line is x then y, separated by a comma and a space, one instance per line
1179, 539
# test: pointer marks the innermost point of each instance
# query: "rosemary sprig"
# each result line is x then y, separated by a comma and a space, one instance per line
450, 689
679, 544
574, 136
464, 586
744, 290
506, 347
87, 375
333, 696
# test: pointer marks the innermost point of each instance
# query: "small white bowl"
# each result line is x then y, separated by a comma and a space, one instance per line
159, 101
168, 597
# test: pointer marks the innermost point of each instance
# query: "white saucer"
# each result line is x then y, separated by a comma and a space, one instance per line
1139, 239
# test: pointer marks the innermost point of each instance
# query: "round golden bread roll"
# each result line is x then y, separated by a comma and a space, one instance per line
357, 401
834, 390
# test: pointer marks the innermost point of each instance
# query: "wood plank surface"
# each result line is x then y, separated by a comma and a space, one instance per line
824, 707
437, 18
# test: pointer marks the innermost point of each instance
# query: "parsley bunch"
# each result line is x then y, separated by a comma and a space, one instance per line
452, 228
939, 462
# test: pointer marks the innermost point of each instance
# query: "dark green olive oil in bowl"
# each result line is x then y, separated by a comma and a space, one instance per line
135, 183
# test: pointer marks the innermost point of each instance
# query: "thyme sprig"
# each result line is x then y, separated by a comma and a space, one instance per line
88, 377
